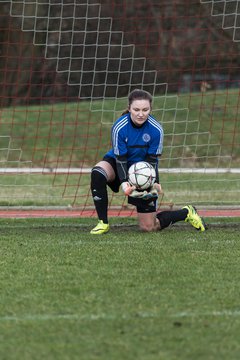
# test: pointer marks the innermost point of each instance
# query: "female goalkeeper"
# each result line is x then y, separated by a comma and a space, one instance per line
136, 136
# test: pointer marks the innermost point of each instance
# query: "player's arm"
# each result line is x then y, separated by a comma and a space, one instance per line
121, 162
122, 170
153, 160
154, 152
156, 188
120, 151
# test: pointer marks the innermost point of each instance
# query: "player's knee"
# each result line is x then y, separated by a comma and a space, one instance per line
147, 227
98, 176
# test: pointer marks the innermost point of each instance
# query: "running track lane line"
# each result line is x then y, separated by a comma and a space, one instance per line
91, 213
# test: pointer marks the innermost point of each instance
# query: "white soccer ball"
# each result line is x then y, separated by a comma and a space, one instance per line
142, 175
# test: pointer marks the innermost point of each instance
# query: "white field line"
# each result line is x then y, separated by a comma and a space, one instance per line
104, 316
38, 170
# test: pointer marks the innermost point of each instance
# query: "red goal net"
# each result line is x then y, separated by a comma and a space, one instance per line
66, 70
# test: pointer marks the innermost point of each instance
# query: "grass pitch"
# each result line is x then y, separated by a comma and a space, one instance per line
66, 294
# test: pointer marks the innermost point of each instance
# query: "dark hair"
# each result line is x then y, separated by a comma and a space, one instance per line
138, 94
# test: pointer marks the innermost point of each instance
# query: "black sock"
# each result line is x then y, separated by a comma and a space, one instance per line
167, 218
99, 192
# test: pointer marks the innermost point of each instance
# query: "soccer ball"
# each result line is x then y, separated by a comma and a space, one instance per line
142, 175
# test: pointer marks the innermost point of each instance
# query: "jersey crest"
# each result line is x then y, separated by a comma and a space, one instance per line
146, 137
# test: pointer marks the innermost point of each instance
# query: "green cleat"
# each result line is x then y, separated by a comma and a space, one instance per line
101, 228
194, 219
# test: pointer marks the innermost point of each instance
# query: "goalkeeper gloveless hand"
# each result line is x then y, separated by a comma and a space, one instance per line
156, 189
127, 188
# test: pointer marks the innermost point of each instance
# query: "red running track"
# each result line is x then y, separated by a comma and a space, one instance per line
91, 213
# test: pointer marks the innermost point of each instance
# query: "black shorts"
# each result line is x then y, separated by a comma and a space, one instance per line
142, 206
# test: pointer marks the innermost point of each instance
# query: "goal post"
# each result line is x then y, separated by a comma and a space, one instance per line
66, 70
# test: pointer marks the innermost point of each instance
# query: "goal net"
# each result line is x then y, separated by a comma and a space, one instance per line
67, 68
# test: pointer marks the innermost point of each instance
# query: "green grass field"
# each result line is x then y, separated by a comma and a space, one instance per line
127, 295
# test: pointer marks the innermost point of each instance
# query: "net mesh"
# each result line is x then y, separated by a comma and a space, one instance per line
66, 71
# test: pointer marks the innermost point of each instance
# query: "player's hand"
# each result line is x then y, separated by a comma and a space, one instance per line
153, 192
156, 189
144, 195
127, 188
138, 194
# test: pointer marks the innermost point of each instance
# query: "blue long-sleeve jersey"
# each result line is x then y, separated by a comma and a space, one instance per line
135, 142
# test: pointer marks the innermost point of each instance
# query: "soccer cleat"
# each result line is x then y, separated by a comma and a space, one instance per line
101, 228
194, 219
